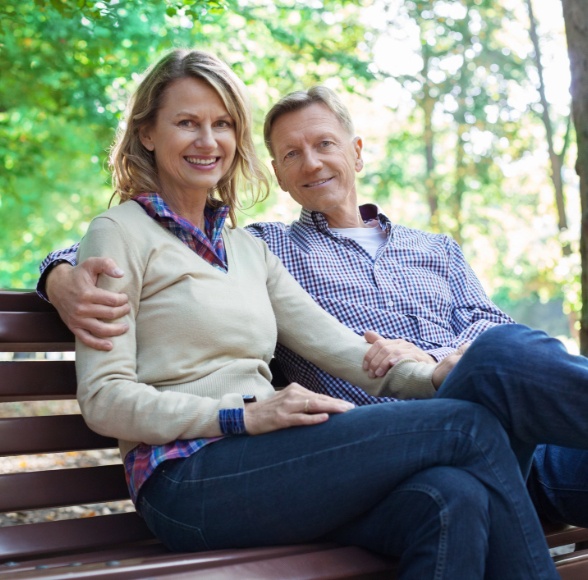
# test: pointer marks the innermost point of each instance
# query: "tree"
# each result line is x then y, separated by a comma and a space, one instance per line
556, 159
72, 65
576, 22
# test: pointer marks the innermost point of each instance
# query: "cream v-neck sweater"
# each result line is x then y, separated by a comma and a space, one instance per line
200, 338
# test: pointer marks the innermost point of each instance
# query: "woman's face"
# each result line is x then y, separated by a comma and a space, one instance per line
193, 138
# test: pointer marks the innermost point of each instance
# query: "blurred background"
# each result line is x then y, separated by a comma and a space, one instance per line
463, 107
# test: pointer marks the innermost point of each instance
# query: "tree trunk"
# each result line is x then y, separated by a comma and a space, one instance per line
576, 22
555, 158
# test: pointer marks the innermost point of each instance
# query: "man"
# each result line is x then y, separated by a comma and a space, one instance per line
415, 289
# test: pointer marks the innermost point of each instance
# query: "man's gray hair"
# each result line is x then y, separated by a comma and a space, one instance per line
300, 100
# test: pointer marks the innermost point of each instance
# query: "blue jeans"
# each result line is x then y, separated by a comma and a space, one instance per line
528, 380
558, 484
432, 482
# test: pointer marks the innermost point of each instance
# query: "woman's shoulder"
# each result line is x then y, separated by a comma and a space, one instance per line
125, 225
243, 235
128, 210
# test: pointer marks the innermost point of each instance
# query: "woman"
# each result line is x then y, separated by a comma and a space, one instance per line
211, 455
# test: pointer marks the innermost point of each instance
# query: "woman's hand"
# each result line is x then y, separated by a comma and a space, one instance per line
386, 352
291, 407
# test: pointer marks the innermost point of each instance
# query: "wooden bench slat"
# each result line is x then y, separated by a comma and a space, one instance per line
23, 301
37, 380
561, 535
72, 535
63, 487
317, 561
572, 566
25, 330
30, 435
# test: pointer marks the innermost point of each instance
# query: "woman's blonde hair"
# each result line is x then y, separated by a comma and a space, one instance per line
133, 166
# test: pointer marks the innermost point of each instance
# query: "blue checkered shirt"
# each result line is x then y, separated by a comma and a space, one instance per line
418, 288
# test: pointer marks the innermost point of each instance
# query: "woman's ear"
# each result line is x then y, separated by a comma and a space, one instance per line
146, 140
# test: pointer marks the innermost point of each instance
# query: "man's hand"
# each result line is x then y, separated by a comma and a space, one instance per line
84, 307
386, 352
292, 406
444, 367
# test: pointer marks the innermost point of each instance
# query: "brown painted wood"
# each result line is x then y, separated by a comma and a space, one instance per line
23, 435
62, 487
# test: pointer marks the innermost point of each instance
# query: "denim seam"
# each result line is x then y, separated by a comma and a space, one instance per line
338, 447
442, 547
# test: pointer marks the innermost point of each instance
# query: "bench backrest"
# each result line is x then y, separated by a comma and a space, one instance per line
29, 324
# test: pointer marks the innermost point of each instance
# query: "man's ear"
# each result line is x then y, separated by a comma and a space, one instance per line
145, 137
277, 174
358, 146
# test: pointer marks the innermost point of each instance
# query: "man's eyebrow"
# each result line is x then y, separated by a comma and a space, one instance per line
314, 138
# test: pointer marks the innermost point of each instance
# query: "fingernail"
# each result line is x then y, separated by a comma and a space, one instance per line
379, 373
118, 272
365, 366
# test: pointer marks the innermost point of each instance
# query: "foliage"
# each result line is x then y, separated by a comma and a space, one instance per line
73, 63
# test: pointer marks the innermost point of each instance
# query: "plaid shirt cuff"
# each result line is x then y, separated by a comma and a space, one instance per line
46, 268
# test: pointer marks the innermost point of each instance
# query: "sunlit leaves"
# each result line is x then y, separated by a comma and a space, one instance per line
69, 65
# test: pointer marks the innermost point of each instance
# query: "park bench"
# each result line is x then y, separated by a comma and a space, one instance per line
119, 545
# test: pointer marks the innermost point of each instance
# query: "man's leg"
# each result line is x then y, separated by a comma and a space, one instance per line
537, 390
437, 522
558, 484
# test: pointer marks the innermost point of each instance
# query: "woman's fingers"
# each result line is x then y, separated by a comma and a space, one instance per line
291, 407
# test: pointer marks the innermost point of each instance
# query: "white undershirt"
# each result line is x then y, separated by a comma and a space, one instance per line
370, 237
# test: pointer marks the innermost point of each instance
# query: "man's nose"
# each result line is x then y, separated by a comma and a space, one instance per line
312, 161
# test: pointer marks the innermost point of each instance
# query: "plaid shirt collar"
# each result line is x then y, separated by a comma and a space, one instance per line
208, 244
368, 211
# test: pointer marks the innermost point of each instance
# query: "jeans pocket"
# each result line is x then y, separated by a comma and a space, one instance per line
175, 535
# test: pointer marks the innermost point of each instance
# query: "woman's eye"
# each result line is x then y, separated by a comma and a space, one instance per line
186, 123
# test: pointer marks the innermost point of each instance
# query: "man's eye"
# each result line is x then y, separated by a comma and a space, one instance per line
326, 143
290, 154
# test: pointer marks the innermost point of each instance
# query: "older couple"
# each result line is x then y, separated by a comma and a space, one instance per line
163, 258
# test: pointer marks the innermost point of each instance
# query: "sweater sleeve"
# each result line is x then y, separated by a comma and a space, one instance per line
308, 330
112, 399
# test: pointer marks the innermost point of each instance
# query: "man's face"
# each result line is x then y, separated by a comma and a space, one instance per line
316, 161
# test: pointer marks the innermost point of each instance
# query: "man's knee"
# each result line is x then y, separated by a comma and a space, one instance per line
504, 338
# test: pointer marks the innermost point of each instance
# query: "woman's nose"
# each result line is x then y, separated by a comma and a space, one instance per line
205, 138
